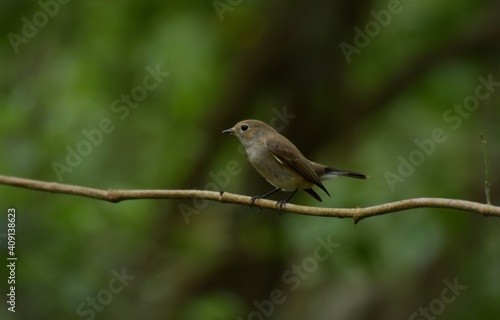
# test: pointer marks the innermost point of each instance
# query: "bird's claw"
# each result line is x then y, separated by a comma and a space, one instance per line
252, 200
281, 204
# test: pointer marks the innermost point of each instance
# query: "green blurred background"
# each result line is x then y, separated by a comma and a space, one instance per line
226, 61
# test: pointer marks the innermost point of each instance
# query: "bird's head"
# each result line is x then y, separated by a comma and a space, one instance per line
247, 130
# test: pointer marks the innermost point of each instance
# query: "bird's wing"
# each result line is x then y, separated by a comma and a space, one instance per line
287, 154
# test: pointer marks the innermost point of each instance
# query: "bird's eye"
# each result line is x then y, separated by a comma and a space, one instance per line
244, 127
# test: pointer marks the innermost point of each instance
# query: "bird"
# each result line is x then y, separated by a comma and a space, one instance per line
281, 163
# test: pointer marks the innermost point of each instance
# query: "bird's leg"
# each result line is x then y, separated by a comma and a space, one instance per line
262, 197
282, 203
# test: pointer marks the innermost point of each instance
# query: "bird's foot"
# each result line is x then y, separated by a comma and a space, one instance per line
281, 204
252, 200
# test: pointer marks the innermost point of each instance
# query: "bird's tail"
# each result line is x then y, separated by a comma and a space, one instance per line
330, 173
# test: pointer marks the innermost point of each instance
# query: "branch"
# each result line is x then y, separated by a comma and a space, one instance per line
356, 213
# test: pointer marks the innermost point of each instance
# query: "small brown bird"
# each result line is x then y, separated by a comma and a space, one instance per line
281, 163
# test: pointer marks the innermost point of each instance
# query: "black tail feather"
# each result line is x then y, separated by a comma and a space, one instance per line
313, 194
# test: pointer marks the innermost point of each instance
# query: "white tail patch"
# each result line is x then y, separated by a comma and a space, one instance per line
331, 175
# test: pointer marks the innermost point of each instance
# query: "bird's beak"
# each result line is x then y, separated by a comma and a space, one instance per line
230, 131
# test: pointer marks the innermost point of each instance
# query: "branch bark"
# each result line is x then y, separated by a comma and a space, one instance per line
225, 197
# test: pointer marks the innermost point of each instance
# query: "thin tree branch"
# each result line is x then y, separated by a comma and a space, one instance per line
355, 213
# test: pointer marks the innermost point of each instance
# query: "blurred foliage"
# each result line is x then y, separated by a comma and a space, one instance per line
227, 61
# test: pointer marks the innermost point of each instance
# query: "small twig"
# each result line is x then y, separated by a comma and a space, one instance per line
356, 213
486, 170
